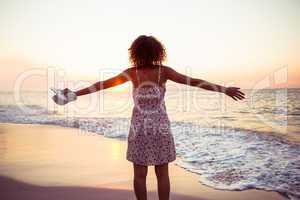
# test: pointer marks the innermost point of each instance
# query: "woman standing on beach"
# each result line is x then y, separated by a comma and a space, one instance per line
150, 141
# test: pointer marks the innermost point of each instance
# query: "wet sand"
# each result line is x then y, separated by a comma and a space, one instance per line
49, 162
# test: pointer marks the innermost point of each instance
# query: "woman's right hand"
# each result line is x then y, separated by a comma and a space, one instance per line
64, 96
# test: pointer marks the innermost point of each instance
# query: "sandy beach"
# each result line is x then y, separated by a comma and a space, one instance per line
50, 162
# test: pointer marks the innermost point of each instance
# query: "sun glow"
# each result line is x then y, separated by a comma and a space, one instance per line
214, 39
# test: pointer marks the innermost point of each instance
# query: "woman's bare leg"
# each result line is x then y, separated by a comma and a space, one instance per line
139, 181
163, 181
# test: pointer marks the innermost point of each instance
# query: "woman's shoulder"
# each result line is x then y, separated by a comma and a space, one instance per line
129, 69
166, 67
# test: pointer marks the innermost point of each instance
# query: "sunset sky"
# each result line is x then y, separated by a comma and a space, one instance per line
222, 41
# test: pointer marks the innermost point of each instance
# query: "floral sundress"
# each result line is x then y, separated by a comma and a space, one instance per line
150, 140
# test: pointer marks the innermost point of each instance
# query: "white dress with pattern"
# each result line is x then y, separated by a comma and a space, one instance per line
150, 141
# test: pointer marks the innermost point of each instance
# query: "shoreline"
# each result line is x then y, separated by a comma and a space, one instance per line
58, 157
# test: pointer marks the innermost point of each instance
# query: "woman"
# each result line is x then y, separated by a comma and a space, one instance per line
150, 141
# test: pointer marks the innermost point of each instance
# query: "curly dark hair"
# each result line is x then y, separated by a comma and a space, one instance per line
146, 50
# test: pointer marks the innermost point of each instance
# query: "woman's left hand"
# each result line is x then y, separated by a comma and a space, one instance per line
235, 93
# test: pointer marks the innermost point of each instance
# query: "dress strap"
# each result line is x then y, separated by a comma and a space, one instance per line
158, 74
137, 77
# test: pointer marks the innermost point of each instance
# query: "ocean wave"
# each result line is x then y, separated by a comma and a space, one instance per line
227, 158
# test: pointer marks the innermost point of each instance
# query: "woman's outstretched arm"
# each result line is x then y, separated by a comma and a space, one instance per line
101, 85
173, 75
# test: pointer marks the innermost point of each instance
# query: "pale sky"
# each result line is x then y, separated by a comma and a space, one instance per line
217, 40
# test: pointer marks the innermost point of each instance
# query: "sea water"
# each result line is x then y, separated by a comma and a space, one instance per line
231, 145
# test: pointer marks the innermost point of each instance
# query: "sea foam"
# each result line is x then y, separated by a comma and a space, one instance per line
224, 158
